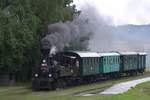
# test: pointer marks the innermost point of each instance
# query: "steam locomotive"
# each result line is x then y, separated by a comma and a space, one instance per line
77, 67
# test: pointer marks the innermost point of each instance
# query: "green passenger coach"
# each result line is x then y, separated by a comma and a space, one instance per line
89, 63
141, 61
129, 61
109, 62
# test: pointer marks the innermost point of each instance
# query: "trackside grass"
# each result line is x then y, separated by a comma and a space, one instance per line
24, 92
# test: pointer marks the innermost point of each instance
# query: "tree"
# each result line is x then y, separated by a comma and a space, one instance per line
22, 24
18, 36
52, 11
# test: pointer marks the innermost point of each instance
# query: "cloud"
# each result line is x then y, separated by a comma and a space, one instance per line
138, 11
121, 11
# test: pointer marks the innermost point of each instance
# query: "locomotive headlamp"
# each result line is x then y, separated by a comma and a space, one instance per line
44, 61
50, 75
36, 75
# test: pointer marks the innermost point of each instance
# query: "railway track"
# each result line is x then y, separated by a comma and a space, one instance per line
99, 86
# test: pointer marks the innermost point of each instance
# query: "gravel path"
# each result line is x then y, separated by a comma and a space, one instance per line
124, 86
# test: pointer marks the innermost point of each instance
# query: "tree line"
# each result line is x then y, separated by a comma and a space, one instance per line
22, 25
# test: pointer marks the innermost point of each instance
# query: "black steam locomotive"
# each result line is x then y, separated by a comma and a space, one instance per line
54, 71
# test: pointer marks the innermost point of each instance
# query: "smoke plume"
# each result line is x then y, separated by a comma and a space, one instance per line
73, 35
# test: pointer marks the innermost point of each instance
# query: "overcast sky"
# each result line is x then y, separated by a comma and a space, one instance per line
121, 11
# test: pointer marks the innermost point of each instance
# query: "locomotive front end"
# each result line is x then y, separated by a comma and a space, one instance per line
43, 76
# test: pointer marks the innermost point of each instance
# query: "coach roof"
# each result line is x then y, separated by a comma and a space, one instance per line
109, 54
142, 53
95, 54
128, 53
87, 54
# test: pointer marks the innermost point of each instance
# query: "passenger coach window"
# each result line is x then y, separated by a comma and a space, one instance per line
117, 60
114, 59
86, 61
92, 60
96, 60
107, 61
104, 60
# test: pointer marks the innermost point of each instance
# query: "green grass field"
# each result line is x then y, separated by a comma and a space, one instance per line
24, 92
